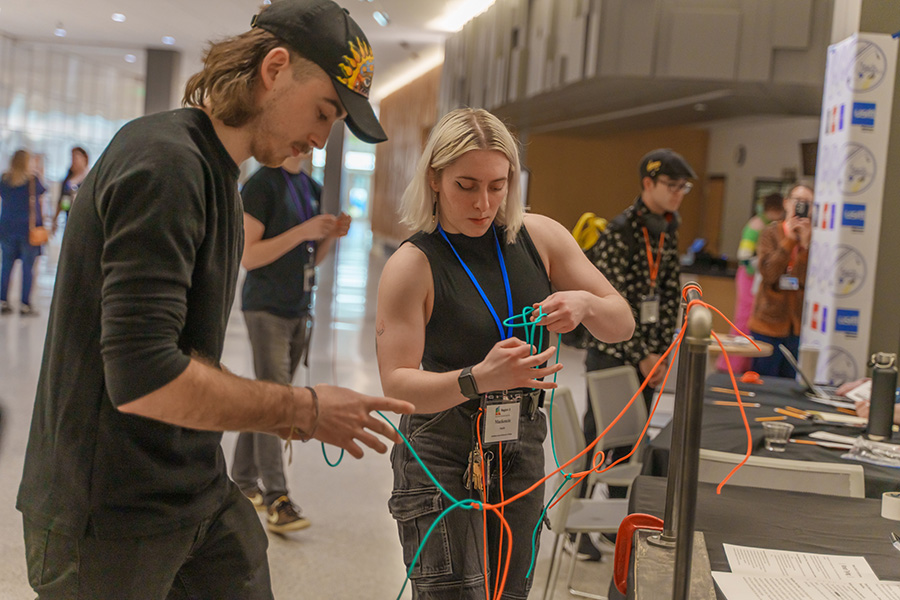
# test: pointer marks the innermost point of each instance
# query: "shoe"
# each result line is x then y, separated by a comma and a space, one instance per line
255, 497
283, 517
5, 308
587, 551
27, 311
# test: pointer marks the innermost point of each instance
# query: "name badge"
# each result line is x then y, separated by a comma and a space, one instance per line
650, 310
501, 420
309, 277
788, 283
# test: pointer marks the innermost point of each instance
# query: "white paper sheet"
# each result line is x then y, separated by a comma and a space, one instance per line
804, 565
762, 574
737, 586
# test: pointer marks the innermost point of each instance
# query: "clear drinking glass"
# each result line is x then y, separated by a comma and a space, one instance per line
777, 436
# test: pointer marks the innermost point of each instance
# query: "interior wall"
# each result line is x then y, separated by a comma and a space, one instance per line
572, 175
407, 116
771, 151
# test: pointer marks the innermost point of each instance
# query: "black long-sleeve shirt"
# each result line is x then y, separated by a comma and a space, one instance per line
146, 279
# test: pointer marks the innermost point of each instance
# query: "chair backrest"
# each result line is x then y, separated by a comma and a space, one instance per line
609, 390
568, 440
833, 479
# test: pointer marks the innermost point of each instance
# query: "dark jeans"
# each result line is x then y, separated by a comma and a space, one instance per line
279, 344
776, 365
596, 361
450, 566
17, 249
222, 557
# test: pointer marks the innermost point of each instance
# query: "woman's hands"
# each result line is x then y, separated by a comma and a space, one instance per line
511, 365
563, 311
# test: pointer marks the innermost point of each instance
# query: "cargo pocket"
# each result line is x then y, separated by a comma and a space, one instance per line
415, 512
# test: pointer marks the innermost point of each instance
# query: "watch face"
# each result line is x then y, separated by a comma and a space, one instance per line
467, 384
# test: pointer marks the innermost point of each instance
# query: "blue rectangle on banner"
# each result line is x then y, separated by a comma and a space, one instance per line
863, 114
847, 321
854, 215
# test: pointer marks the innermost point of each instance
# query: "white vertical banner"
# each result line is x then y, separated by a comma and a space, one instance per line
846, 216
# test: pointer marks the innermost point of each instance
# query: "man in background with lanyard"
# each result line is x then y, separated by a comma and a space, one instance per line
638, 254
285, 237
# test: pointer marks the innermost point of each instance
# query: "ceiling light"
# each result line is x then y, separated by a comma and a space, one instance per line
458, 14
59, 31
381, 18
701, 107
118, 17
168, 40
130, 58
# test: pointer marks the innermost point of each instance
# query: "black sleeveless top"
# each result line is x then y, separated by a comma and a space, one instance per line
461, 330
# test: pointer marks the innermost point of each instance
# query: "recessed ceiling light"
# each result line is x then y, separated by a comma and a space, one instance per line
130, 58
701, 107
168, 40
118, 17
381, 18
59, 31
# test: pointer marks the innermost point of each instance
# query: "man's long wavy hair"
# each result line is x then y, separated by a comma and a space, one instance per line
231, 68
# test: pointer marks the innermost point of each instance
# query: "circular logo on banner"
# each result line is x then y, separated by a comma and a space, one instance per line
849, 271
818, 271
858, 169
841, 367
869, 68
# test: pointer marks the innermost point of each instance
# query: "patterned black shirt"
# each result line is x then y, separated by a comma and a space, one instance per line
621, 255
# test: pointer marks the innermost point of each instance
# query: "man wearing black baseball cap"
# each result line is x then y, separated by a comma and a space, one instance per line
638, 253
124, 492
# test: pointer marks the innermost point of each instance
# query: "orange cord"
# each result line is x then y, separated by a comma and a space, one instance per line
579, 476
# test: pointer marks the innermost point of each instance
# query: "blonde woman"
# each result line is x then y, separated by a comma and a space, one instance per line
15, 196
476, 260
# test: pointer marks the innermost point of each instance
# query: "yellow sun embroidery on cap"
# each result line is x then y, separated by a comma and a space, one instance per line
358, 68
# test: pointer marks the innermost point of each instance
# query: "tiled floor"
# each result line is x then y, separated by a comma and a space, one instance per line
351, 550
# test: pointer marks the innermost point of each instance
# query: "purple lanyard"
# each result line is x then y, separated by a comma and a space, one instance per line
304, 209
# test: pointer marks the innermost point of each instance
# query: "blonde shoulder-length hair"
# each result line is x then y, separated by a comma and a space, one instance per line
458, 132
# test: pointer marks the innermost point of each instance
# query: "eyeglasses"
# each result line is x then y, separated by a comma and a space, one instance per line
675, 187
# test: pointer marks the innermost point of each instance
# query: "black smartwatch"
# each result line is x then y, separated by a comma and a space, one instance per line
467, 384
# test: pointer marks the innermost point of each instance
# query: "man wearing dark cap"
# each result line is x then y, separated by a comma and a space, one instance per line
638, 253
124, 492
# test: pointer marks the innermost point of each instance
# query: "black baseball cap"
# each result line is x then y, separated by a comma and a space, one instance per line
665, 161
324, 33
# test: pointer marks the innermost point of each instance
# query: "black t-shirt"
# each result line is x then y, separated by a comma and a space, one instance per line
146, 277
278, 287
461, 330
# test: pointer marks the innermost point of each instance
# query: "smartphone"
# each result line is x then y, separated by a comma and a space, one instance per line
801, 210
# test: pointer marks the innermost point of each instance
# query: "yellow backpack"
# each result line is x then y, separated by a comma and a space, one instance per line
587, 230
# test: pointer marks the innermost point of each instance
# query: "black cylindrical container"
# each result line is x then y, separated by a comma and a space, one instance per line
884, 385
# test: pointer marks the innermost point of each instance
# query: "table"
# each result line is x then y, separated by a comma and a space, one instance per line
723, 430
780, 520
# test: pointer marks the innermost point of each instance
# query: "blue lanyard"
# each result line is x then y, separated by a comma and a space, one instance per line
509, 305
304, 210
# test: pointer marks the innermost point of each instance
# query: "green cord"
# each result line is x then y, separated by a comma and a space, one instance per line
325, 454
467, 503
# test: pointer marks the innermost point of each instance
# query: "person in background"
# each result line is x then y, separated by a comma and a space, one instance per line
285, 237
125, 492
20, 193
638, 253
783, 252
69, 186
476, 260
746, 280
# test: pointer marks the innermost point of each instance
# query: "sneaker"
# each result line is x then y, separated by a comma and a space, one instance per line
5, 308
255, 497
586, 551
283, 517
27, 311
